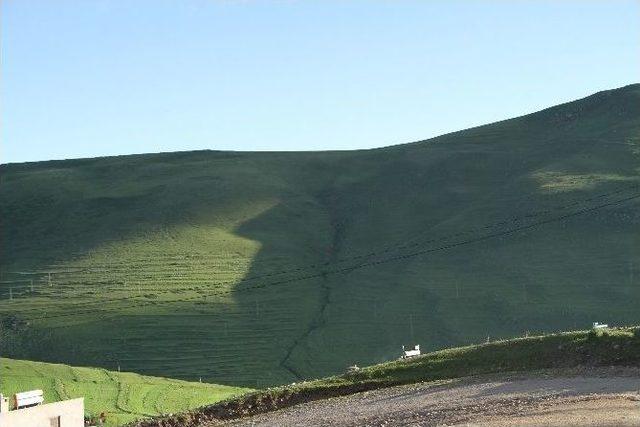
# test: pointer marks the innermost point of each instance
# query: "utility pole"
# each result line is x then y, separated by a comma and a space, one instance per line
10, 294
411, 326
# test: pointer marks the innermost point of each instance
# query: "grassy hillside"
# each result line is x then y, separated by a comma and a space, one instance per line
122, 396
264, 268
563, 353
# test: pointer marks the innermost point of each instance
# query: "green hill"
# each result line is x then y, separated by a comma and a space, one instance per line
263, 268
567, 353
122, 396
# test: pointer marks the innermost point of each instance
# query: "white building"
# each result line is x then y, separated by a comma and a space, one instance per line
31, 412
412, 352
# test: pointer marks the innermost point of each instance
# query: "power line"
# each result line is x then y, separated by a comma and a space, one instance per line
255, 277
372, 254
368, 264
386, 249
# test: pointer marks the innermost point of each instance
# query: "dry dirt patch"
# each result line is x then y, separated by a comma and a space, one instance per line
593, 398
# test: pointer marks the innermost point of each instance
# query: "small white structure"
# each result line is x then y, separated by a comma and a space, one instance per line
597, 325
415, 351
31, 411
27, 399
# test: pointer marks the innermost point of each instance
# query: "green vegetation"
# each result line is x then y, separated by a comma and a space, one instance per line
224, 265
613, 347
561, 352
122, 396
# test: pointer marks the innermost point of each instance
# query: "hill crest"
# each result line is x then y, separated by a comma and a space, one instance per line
243, 268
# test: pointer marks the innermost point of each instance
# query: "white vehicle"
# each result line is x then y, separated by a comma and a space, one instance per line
597, 325
415, 351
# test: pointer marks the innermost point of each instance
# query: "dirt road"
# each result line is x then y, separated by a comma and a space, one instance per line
590, 398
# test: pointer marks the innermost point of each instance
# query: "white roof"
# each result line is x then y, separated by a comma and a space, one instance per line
28, 394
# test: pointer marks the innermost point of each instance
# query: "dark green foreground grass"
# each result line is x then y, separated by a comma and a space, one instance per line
611, 347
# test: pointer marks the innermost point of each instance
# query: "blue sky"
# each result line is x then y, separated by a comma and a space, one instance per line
90, 78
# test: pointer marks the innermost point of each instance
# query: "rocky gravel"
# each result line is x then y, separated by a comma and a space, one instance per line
601, 397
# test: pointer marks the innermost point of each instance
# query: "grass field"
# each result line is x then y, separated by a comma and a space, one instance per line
255, 269
122, 396
563, 353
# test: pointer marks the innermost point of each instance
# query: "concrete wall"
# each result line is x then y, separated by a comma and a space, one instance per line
71, 413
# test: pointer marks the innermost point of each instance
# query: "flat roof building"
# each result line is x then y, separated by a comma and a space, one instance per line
66, 413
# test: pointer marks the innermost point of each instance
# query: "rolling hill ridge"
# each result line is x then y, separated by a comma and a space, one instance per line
256, 269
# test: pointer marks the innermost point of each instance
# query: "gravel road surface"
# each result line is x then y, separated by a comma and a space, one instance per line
591, 398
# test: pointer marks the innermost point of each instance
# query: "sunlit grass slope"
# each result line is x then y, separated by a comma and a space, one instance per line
121, 396
263, 268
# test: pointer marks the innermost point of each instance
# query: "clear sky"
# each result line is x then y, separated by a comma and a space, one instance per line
89, 78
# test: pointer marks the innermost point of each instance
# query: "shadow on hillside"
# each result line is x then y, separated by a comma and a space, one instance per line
421, 209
